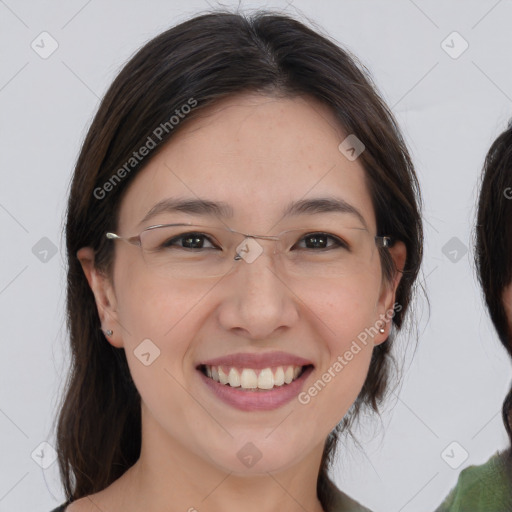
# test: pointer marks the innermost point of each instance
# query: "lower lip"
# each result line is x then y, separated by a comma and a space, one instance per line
257, 400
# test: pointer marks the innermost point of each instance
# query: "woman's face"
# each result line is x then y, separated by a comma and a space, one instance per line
258, 155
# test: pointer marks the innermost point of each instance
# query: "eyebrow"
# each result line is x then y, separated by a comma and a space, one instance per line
222, 209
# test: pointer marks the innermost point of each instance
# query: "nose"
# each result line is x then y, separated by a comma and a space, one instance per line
258, 300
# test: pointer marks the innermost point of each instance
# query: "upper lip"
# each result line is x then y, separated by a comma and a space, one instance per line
258, 361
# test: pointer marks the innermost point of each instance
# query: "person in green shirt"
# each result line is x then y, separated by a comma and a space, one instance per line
488, 487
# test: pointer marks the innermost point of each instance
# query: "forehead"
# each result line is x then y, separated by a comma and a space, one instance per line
256, 153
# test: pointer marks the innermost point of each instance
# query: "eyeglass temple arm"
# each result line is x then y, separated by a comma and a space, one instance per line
384, 241
134, 240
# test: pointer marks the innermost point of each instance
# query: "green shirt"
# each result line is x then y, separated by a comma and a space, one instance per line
485, 488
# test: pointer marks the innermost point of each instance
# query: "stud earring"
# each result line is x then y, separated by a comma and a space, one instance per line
108, 332
382, 330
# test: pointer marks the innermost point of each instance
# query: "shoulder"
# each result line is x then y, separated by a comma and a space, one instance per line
62, 508
113, 497
485, 487
80, 505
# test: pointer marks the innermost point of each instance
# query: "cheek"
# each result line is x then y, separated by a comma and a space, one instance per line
346, 320
351, 317
147, 306
344, 309
157, 324
340, 378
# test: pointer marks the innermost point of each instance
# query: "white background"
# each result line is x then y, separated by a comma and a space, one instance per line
450, 110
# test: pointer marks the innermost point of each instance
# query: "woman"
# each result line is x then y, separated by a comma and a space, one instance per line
243, 237
487, 488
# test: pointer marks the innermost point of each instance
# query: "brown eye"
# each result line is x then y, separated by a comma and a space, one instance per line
189, 241
320, 240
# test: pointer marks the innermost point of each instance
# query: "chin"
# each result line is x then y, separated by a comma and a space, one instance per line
255, 455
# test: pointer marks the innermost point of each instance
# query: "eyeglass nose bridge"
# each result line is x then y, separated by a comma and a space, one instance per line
238, 256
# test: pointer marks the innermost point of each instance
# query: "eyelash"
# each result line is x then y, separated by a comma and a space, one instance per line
339, 242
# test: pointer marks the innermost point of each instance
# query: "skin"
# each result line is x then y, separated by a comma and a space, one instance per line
256, 153
507, 301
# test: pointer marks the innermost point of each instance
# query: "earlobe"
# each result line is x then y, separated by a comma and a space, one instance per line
103, 291
388, 292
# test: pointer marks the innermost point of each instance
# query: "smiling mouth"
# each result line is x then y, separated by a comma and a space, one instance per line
249, 379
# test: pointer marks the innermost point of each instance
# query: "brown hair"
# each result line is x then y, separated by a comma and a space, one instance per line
493, 255
208, 58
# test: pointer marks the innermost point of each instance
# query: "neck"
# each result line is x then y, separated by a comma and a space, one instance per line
169, 477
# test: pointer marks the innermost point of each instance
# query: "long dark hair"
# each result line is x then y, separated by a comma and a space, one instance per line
493, 254
203, 60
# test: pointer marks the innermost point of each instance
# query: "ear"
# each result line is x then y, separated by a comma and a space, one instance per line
386, 304
104, 295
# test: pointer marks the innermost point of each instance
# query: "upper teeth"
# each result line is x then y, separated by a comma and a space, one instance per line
248, 378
